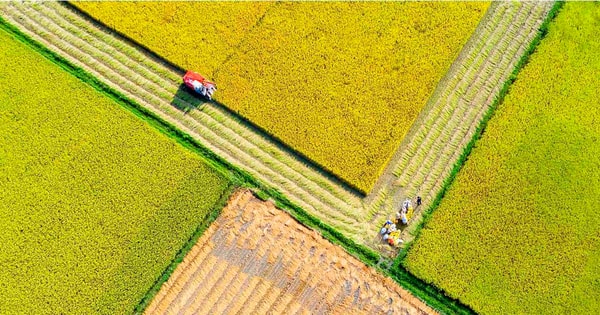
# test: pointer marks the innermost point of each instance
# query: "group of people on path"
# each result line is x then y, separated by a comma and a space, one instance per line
390, 234
389, 231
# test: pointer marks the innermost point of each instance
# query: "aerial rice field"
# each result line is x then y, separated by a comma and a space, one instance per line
94, 202
519, 230
113, 178
340, 83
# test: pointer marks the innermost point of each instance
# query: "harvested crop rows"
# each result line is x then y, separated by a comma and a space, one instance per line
461, 101
155, 86
256, 259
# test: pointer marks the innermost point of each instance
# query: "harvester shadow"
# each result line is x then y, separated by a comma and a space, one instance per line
185, 100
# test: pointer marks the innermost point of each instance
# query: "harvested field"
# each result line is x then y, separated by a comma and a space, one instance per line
341, 82
94, 202
519, 230
256, 259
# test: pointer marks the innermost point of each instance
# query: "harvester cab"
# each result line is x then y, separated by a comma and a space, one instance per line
199, 84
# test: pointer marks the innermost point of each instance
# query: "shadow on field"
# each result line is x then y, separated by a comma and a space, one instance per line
185, 101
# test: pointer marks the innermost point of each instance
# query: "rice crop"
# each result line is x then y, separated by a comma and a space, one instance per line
94, 202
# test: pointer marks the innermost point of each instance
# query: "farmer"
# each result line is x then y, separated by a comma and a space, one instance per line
418, 201
386, 227
394, 238
392, 228
391, 241
398, 218
404, 218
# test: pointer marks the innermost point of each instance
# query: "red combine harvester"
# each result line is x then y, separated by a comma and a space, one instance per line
199, 84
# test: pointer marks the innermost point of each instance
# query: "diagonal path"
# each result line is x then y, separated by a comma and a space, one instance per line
459, 103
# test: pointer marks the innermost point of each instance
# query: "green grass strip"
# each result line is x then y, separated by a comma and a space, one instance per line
543, 30
431, 295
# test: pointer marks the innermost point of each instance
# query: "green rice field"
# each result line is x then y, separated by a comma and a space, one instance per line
94, 202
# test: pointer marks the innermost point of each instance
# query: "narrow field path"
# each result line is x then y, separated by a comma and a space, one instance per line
459, 103
256, 259
419, 167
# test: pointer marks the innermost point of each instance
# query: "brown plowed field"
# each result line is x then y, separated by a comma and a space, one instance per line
256, 259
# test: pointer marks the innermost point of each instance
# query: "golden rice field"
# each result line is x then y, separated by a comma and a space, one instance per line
199, 36
94, 202
519, 230
256, 259
341, 83
109, 175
